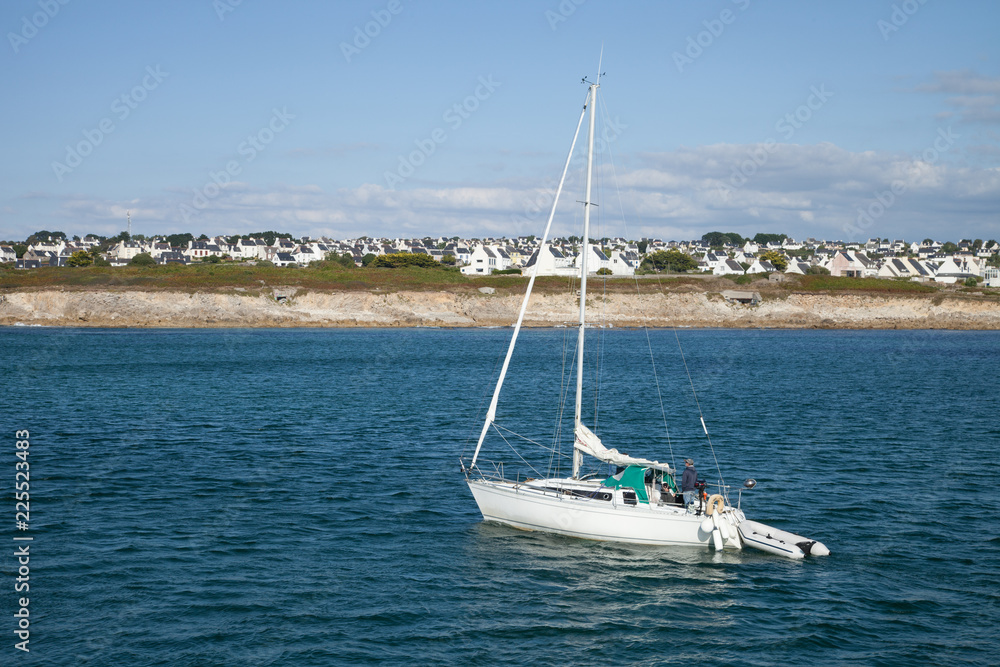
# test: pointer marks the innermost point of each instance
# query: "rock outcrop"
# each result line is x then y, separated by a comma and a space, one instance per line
295, 308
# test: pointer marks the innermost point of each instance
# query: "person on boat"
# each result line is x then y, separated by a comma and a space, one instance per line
688, 481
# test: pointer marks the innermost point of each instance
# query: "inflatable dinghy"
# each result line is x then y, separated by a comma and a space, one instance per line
783, 543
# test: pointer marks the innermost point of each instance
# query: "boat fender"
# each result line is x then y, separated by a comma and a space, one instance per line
707, 525
717, 539
721, 523
715, 500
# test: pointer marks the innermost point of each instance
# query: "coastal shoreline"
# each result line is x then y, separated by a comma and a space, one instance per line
293, 307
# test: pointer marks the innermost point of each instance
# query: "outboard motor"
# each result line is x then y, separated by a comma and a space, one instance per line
699, 486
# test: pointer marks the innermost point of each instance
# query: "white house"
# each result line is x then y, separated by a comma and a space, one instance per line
552, 263
761, 266
729, 267
596, 260
956, 268
801, 268
7, 254
624, 263
905, 267
482, 262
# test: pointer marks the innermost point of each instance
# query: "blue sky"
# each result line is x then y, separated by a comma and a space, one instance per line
831, 120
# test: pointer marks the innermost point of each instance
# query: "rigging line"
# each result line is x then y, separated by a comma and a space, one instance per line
563, 389
516, 452
527, 439
482, 400
642, 313
698, 404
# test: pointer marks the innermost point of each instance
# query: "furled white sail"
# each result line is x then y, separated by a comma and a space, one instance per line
588, 443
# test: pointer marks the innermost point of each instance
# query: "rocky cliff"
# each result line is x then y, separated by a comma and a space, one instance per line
291, 308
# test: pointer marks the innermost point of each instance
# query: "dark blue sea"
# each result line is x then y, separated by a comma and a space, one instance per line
294, 497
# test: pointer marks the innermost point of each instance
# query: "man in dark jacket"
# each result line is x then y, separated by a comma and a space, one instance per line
687, 482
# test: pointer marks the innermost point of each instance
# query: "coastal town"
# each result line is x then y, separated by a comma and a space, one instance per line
722, 254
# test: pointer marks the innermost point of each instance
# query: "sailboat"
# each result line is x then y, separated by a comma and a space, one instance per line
639, 502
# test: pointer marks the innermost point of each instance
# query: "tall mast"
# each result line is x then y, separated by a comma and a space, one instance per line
577, 456
542, 248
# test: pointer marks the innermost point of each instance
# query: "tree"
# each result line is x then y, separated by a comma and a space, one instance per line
780, 261
44, 235
764, 239
949, 248
642, 246
977, 245
927, 242
179, 240
80, 258
817, 270
717, 239
449, 260
401, 259
669, 260
142, 259
368, 259
20, 249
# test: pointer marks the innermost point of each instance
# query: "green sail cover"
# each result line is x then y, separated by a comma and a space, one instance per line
633, 477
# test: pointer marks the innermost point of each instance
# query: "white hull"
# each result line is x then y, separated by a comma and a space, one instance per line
529, 507
780, 542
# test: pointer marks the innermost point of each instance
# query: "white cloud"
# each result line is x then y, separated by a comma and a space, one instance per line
815, 190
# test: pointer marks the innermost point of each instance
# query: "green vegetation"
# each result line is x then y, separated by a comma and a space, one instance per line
669, 260
817, 270
142, 259
971, 281
80, 258
779, 261
719, 239
818, 283
400, 259
764, 239
346, 260
517, 272
603, 271
179, 240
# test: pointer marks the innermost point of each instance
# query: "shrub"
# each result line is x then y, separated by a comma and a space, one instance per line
401, 259
502, 272
817, 270
671, 260
971, 281
603, 271
80, 258
142, 259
